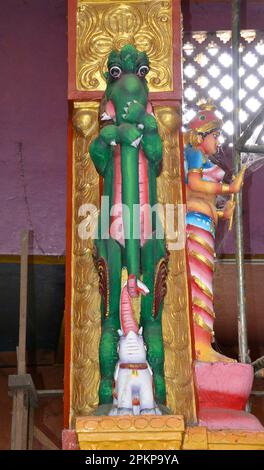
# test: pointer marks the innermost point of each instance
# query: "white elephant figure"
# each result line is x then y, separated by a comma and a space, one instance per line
133, 392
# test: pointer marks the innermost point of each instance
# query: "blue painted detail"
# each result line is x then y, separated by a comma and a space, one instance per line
193, 160
202, 221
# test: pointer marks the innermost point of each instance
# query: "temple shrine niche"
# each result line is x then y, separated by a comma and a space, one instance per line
140, 369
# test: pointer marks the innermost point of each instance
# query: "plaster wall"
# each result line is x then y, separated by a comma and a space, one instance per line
33, 124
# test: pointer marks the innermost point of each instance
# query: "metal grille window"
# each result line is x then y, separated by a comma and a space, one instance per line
207, 73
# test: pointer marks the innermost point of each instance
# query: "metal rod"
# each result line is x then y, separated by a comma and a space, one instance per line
257, 393
242, 323
232, 261
50, 393
258, 119
252, 149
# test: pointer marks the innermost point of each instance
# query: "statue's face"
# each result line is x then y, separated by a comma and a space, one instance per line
126, 79
210, 143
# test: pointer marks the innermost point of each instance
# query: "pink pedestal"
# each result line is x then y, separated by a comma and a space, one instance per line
69, 440
223, 391
223, 418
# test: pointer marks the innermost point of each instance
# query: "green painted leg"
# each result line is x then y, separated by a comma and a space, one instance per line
152, 252
111, 252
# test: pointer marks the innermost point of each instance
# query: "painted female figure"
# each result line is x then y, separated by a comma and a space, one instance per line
204, 181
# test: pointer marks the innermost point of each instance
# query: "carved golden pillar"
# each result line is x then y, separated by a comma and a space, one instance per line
85, 324
95, 28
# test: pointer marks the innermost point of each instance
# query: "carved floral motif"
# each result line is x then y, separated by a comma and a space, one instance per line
103, 26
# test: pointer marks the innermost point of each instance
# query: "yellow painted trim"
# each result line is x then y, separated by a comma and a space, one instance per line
201, 304
201, 258
247, 256
33, 259
200, 322
196, 238
196, 170
203, 287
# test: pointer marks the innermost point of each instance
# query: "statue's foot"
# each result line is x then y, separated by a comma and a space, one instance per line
158, 411
208, 354
124, 411
113, 411
148, 411
151, 411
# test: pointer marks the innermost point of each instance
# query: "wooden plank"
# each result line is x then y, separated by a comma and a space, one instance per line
13, 425
21, 366
20, 422
25, 421
25, 382
44, 440
50, 393
30, 428
19, 432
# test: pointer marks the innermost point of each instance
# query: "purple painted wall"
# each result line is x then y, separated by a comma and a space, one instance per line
213, 15
33, 127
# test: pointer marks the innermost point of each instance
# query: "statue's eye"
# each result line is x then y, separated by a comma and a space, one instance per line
142, 71
115, 71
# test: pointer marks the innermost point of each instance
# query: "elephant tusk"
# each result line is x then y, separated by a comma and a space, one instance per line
136, 142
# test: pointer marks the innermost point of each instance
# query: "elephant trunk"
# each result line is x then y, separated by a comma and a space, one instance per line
127, 319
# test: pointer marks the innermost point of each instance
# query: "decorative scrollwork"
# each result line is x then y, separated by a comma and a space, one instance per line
103, 26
